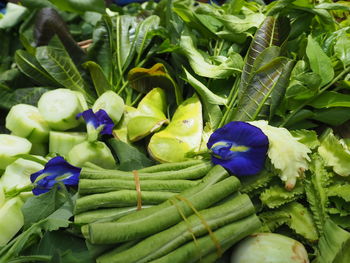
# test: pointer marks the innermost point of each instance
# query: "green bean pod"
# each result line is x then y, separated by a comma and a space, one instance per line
166, 216
171, 166
91, 186
107, 214
168, 240
189, 173
205, 248
122, 198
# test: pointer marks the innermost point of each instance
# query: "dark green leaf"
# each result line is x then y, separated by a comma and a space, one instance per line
272, 32
331, 99
320, 63
25, 95
130, 158
266, 89
98, 77
41, 206
29, 65
333, 116
60, 66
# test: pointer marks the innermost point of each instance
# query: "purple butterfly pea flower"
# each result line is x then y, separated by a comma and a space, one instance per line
239, 147
56, 170
98, 120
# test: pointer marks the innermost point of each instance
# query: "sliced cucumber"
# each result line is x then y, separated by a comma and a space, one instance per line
95, 152
39, 149
62, 142
10, 146
59, 108
2, 196
26, 121
17, 174
112, 103
11, 219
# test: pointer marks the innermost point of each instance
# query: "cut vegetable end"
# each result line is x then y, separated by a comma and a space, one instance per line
59, 108
95, 152
112, 103
10, 146
62, 142
26, 121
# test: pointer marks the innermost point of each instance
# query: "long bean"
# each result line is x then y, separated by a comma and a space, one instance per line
91, 186
107, 214
168, 240
166, 216
171, 166
227, 236
193, 172
122, 198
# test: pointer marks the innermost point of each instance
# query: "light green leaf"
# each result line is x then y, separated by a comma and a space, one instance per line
277, 195
236, 24
202, 65
80, 6
333, 6
335, 153
342, 191
320, 63
14, 14
334, 244
307, 137
342, 49
315, 188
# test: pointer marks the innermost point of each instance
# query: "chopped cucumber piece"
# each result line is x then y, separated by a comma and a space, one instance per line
2, 196
112, 103
95, 152
59, 108
17, 174
39, 149
10, 146
62, 142
11, 219
26, 121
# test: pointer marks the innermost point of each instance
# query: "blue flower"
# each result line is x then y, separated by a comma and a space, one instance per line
99, 121
239, 147
56, 170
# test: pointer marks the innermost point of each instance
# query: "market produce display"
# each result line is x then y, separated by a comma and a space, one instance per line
175, 131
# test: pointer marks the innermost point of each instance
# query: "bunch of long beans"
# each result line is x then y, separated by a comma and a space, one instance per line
196, 224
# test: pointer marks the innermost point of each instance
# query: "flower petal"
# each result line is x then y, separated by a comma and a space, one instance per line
105, 120
89, 118
239, 147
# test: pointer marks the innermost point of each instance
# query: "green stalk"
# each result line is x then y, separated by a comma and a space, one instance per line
171, 166
90, 186
122, 198
226, 236
343, 73
168, 240
163, 217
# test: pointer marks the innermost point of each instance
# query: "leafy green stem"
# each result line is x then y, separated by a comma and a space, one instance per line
33, 258
337, 78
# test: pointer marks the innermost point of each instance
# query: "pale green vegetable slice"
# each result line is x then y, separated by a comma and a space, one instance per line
151, 115
26, 121
18, 173
121, 131
95, 152
11, 219
2, 196
112, 103
62, 142
10, 146
181, 136
59, 108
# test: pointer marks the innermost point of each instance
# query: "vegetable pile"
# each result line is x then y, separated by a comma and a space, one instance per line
175, 131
